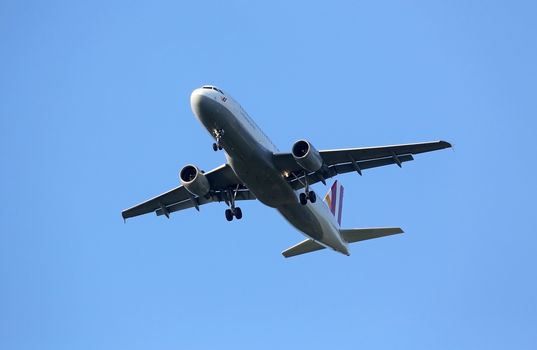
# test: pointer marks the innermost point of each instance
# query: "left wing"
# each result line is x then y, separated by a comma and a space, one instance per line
224, 183
342, 161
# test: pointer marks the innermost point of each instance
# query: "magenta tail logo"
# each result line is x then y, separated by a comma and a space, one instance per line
334, 200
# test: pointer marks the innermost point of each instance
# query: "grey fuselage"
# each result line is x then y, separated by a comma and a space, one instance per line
250, 154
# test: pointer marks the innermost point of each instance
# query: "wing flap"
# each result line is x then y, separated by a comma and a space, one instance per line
306, 246
173, 196
220, 196
368, 164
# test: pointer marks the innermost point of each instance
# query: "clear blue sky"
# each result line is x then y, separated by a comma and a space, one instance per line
95, 117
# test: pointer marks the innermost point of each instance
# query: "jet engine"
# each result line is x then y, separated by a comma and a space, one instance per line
307, 156
194, 180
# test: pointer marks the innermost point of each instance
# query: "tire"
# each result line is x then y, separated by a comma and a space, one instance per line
312, 196
219, 147
215, 147
303, 198
229, 215
238, 213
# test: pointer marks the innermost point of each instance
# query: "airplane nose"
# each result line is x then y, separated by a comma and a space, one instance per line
196, 100
202, 102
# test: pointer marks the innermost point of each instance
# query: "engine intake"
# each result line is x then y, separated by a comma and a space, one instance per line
194, 180
307, 156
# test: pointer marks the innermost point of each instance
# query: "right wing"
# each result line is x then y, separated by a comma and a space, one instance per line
339, 156
223, 183
340, 161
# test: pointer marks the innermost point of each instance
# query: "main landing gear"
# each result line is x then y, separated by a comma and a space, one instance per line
233, 211
307, 194
218, 133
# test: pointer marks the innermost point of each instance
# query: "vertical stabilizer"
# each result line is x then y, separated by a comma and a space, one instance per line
334, 200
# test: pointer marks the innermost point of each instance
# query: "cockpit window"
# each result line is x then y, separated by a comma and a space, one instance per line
212, 88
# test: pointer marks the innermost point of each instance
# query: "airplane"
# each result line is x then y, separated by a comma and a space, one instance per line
256, 169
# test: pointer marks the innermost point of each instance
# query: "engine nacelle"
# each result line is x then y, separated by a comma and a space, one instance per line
194, 180
307, 156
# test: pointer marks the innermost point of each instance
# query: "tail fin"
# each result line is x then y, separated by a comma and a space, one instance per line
334, 200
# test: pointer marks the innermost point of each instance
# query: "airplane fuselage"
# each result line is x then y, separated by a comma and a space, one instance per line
249, 153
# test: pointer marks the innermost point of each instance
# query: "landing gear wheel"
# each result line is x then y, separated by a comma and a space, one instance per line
238, 213
312, 197
219, 147
229, 215
215, 147
303, 198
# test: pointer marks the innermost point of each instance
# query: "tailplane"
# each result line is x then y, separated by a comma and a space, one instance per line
307, 246
361, 234
349, 235
334, 200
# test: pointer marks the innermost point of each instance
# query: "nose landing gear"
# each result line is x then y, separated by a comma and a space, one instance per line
218, 133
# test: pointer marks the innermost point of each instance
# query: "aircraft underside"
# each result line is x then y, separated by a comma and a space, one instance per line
256, 169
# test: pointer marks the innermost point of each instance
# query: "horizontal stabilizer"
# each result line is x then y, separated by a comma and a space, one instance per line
307, 246
361, 234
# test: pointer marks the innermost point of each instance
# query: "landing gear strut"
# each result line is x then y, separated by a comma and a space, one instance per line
233, 211
218, 133
307, 194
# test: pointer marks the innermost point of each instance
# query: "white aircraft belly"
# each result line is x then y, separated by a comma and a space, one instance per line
315, 221
331, 236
